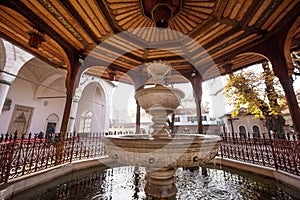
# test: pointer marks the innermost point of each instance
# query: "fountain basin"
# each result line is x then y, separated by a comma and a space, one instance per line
159, 97
178, 150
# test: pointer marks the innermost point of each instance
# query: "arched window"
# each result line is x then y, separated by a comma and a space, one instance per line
242, 130
255, 130
86, 119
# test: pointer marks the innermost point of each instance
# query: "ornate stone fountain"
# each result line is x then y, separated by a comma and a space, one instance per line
161, 152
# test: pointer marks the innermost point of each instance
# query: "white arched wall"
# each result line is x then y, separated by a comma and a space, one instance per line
52, 85
23, 94
44, 91
94, 95
30, 82
248, 122
12, 59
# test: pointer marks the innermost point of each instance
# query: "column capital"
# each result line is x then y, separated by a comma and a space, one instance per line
6, 78
76, 99
77, 95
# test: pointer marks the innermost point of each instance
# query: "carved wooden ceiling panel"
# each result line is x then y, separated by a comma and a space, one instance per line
122, 34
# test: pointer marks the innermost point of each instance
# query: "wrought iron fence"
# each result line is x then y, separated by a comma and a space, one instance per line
281, 154
26, 155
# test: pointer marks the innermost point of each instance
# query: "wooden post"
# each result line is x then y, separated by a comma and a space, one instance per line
196, 82
287, 85
273, 48
281, 71
71, 82
138, 119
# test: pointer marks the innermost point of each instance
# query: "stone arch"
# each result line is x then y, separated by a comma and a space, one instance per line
92, 90
85, 80
9, 55
53, 80
2, 55
41, 75
13, 59
46, 84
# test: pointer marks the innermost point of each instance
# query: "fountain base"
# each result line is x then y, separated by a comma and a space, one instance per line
161, 183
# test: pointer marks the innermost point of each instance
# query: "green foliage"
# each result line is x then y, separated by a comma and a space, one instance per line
257, 91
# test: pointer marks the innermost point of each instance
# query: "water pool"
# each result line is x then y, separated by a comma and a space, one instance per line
126, 183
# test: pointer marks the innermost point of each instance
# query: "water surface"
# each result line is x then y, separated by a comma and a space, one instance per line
126, 183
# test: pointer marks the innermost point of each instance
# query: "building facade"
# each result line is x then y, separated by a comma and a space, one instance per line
33, 96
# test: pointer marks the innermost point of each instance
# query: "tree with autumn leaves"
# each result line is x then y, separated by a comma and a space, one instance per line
261, 94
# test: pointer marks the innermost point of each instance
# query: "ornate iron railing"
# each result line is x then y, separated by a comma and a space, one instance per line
281, 154
26, 155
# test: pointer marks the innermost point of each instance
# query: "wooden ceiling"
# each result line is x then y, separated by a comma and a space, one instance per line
203, 35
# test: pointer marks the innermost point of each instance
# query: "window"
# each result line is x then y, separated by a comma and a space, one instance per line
255, 130
50, 129
52, 121
51, 124
86, 119
191, 119
177, 119
242, 130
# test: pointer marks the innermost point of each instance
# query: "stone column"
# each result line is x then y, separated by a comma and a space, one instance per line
5, 81
73, 113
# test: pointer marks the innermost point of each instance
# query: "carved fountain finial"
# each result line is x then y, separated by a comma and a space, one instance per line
158, 70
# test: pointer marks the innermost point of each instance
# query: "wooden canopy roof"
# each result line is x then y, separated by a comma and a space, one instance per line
209, 36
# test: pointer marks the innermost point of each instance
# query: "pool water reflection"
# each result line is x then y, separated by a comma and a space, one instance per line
126, 183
